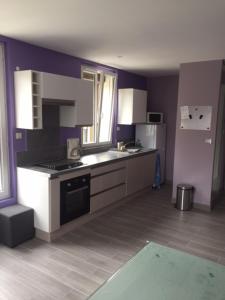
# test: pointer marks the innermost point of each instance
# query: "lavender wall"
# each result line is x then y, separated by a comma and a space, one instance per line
27, 56
162, 97
199, 84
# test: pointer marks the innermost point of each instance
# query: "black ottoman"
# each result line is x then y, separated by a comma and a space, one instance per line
16, 224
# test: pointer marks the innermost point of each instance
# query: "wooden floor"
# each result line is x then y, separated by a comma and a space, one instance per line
74, 266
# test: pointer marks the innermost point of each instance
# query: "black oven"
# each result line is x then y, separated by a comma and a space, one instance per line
74, 198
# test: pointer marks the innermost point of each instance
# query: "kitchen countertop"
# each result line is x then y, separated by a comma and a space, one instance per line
91, 161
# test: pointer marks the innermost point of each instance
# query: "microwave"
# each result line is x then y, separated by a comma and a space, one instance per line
154, 117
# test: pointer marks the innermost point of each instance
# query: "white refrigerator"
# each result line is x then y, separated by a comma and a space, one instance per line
153, 136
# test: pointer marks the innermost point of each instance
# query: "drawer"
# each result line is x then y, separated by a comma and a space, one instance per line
108, 168
108, 180
106, 198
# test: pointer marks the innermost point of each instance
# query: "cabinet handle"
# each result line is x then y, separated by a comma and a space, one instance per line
77, 190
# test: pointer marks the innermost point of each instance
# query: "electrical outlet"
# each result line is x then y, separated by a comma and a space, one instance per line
19, 136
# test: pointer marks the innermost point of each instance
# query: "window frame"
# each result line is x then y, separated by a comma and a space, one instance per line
103, 72
4, 149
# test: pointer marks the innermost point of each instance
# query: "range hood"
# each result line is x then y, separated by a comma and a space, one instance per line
59, 102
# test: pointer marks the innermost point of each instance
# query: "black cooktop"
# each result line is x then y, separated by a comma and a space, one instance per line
60, 165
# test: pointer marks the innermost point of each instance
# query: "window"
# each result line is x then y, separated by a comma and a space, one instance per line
4, 161
104, 93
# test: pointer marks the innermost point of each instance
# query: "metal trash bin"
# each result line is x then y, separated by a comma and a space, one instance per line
184, 199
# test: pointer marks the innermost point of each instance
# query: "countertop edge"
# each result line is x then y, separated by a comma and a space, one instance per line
56, 174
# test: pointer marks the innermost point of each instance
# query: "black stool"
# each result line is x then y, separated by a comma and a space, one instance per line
16, 224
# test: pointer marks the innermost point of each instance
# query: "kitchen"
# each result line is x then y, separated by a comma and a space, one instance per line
124, 214
109, 175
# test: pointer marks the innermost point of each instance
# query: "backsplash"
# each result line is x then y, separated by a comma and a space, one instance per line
49, 143
44, 144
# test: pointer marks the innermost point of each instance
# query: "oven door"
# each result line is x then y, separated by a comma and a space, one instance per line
74, 198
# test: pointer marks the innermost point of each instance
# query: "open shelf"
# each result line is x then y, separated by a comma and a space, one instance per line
36, 99
35, 78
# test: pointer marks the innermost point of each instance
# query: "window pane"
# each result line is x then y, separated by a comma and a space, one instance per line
106, 114
4, 170
89, 133
104, 89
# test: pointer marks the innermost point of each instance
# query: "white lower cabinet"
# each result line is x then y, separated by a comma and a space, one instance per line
43, 195
108, 197
117, 180
140, 173
109, 183
38, 191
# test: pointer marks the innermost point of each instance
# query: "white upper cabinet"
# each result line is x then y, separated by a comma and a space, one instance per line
57, 87
82, 113
33, 89
28, 99
132, 106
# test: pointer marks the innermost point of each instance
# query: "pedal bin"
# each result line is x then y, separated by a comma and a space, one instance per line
184, 200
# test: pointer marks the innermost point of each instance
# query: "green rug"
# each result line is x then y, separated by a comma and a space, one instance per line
162, 273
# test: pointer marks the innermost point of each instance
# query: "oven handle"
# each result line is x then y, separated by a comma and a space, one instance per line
78, 190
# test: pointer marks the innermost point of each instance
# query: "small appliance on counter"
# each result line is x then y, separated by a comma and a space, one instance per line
73, 148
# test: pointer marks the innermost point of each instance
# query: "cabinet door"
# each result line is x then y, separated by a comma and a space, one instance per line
57, 87
125, 106
82, 112
106, 198
139, 106
140, 172
107, 181
41, 194
132, 106
85, 102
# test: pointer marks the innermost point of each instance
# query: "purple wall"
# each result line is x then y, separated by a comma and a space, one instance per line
27, 56
162, 97
199, 84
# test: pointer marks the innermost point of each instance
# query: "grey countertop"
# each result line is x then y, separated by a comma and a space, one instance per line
92, 161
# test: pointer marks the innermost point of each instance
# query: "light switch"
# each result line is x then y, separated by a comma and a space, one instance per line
208, 141
18, 135
118, 128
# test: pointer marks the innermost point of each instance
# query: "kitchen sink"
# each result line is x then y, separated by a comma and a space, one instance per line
127, 151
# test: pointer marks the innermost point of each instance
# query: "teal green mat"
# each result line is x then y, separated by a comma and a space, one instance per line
162, 273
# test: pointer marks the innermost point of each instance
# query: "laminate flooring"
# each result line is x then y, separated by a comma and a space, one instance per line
75, 265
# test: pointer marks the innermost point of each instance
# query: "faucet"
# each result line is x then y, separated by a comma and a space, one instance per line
128, 143
123, 146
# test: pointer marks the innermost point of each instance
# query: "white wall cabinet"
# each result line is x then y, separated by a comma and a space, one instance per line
58, 87
140, 173
33, 89
82, 113
28, 99
132, 106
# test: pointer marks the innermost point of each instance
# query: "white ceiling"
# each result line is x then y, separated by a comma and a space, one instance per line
143, 36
